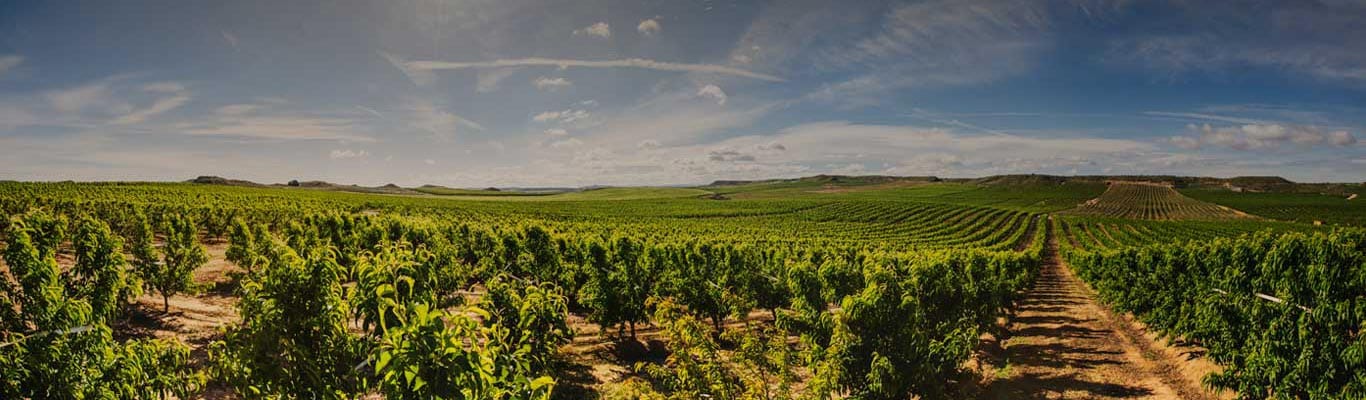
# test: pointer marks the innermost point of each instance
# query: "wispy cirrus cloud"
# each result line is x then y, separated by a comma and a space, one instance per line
174, 96
279, 128
419, 71
1318, 39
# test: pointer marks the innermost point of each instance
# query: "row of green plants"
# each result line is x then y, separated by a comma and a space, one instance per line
890, 224
1283, 313
341, 304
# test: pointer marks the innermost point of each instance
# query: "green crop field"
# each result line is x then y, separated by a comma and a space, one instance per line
288, 290
1298, 207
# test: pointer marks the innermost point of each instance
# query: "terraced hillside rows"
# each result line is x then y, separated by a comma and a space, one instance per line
1135, 200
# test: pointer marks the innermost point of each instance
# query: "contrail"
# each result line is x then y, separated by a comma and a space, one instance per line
410, 67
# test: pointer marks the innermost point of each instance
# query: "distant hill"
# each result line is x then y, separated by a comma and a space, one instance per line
217, 180
491, 191
832, 179
1269, 184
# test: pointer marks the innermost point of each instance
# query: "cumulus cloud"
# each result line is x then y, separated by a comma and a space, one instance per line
713, 92
556, 132
601, 30
342, 154
1260, 136
649, 27
551, 84
420, 71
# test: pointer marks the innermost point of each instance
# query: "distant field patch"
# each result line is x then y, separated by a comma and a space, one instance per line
1297, 207
1147, 201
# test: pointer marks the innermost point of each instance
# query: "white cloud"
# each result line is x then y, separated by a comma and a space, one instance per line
348, 153
1260, 136
78, 98
571, 142
487, 80
566, 116
443, 125
230, 38
1230, 37
420, 71
236, 109
649, 27
164, 87
1342, 138
601, 30
176, 96
1200, 116
158, 107
713, 92
429, 161
1185, 142
551, 84
279, 128
556, 132
9, 62
729, 155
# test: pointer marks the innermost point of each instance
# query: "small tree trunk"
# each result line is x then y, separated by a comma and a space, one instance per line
633, 330
165, 303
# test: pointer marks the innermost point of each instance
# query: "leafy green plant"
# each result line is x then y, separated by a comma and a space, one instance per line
56, 343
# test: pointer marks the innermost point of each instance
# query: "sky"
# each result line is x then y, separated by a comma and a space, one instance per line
474, 93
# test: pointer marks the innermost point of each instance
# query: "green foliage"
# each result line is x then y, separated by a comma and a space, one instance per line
1298, 207
179, 257
242, 247
99, 274
293, 339
694, 367
55, 341
431, 354
533, 313
916, 320
1307, 345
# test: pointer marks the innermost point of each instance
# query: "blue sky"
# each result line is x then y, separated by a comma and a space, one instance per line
565, 93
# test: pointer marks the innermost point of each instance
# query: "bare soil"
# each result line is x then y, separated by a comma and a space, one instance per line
1062, 344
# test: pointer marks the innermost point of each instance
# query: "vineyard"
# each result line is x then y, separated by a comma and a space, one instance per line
754, 291
1152, 202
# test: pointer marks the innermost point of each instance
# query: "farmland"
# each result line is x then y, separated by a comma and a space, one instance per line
813, 288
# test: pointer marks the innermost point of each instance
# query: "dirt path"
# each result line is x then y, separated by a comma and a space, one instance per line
1062, 344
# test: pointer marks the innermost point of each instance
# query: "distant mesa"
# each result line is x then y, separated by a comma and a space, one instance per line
218, 180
